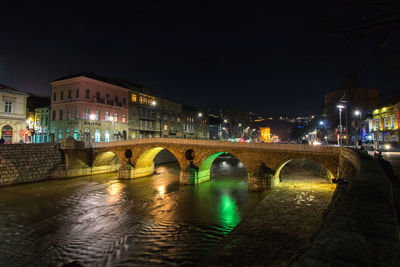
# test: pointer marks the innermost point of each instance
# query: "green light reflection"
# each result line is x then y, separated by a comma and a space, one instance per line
229, 213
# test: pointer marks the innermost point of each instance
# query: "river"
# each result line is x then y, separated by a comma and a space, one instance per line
102, 221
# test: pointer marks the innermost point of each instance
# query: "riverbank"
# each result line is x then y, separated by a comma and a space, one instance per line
360, 228
279, 228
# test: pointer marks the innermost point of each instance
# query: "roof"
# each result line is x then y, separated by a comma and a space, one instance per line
112, 80
5, 88
122, 83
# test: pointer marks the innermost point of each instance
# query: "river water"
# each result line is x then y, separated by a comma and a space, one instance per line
102, 221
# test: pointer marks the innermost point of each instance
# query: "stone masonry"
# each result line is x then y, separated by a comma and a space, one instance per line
22, 163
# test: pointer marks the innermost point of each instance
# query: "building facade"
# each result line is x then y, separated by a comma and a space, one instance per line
41, 125
92, 108
386, 121
12, 115
88, 108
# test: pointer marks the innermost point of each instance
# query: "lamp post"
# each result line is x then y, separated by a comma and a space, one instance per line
340, 107
358, 113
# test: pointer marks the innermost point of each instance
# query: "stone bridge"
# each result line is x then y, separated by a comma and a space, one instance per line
263, 162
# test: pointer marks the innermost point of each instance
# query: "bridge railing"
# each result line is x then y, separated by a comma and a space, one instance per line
213, 143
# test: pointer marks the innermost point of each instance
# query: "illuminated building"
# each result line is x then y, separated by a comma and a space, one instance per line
385, 122
265, 134
12, 114
93, 108
88, 107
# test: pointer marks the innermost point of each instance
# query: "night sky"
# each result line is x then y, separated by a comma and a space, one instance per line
266, 57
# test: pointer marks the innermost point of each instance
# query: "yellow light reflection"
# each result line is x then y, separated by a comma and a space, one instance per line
114, 192
161, 190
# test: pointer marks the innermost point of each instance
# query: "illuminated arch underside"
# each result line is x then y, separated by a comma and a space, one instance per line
330, 176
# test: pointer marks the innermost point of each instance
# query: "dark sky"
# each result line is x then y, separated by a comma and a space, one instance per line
263, 57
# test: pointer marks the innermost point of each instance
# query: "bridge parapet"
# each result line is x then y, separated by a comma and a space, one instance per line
197, 142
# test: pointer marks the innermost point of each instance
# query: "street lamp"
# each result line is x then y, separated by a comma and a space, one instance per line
340, 107
358, 113
92, 117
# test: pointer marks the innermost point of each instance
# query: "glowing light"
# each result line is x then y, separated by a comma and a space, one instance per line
111, 119
200, 115
321, 123
154, 103
340, 106
225, 121
387, 146
161, 189
92, 117
357, 112
229, 213
265, 134
316, 143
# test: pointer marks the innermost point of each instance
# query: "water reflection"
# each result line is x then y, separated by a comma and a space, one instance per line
229, 213
103, 221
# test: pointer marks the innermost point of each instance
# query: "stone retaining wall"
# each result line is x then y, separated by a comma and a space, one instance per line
22, 163
361, 227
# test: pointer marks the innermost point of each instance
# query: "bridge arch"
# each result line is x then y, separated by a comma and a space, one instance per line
144, 162
107, 161
204, 170
327, 172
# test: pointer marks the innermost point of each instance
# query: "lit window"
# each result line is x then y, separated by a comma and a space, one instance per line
8, 107
178, 120
115, 117
107, 115
87, 113
165, 127
123, 118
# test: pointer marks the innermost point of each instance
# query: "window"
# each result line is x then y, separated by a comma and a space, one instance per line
124, 101
87, 93
106, 136
67, 132
54, 97
116, 100
166, 117
87, 113
62, 96
178, 120
377, 124
123, 118
77, 113
8, 107
60, 134
97, 135
61, 115
392, 122
69, 94
77, 93
54, 115
107, 114
69, 114
165, 127
76, 133
134, 98
115, 117
385, 122
46, 120
98, 115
